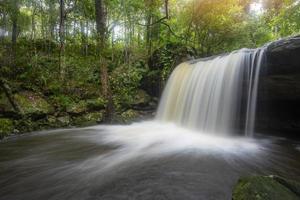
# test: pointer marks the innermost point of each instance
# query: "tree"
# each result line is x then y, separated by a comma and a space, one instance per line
102, 37
62, 37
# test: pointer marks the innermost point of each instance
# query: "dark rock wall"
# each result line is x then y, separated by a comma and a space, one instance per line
278, 103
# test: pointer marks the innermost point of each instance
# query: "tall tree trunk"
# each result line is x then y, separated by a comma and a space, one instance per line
149, 34
4, 27
51, 20
83, 38
8, 93
33, 34
14, 35
14, 31
62, 39
100, 13
167, 8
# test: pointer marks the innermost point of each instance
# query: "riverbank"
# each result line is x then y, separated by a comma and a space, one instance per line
28, 111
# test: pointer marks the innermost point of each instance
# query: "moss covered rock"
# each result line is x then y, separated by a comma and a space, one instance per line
77, 108
142, 98
95, 104
266, 188
64, 120
129, 116
5, 105
82, 106
88, 119
6, 127
32, 103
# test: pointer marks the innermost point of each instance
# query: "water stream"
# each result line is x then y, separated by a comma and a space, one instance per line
147, 160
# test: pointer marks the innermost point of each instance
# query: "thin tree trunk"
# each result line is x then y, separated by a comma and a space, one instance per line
33, 29
8, 93
62, 39
14, 35
4, 28
14, 31
149, 35
33, 35
100, 13
83, 38
87, 37
167, 8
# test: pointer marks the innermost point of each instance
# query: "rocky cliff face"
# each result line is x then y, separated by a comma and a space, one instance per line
278, 108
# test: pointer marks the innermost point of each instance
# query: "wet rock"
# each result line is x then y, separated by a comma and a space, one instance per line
266, 188
278, 103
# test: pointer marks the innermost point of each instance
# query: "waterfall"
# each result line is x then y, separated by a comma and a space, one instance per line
214, 95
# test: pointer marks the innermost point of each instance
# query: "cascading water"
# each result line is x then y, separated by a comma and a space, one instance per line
207, 95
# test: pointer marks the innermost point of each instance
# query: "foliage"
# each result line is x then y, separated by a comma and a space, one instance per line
125, 81
6, 127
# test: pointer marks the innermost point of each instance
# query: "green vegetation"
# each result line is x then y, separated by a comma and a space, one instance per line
6, 127
266, 188
67, 61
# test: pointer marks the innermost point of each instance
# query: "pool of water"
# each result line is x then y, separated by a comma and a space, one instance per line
141, 161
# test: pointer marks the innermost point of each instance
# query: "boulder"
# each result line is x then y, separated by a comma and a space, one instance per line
84, 106
33, 104
64, 120
266, 188
77, 108
88, 119
95, 104
5, 105
129, 116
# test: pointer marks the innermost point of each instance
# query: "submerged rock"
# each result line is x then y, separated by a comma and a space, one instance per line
266, 188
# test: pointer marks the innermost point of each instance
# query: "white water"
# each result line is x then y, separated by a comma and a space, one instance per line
207, 95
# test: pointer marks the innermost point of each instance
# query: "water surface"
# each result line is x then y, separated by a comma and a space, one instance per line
140, 161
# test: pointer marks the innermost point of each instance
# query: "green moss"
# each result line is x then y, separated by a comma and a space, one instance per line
6, 127
5, 105
141, 98
262, 188
31, 103
88, 119
129, 116
77, 108
62, 102
64, 120
96, 104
